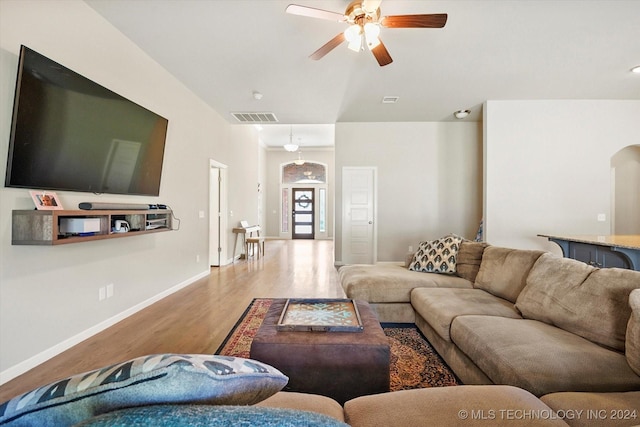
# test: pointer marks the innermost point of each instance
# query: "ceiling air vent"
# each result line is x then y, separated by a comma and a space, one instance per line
390, 99
250, 117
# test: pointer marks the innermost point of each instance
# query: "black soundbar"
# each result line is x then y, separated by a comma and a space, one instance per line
97, 206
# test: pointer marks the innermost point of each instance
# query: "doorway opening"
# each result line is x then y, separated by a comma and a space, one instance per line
625, 171
304, 199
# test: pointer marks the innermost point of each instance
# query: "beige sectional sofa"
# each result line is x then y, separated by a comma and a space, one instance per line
523, 318
387, 287
537, 340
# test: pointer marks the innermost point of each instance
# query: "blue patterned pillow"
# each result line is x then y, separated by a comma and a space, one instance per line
155, 379
211, 416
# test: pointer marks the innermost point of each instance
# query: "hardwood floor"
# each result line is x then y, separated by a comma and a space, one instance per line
197, 318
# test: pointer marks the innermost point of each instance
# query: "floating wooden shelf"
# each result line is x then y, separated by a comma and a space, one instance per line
33, 227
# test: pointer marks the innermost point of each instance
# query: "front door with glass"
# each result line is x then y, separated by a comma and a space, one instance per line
303, 213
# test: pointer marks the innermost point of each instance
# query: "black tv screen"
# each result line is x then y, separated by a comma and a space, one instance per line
70, 133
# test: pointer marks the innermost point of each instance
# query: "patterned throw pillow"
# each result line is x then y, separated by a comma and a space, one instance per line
155, 379
437, 256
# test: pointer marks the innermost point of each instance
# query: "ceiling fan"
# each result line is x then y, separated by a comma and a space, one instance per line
364, 19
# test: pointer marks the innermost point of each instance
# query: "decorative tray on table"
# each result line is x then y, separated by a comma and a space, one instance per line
323, 315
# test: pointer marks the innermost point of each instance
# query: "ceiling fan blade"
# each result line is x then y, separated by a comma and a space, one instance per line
312, 12
328, 47
382, 55
434, 20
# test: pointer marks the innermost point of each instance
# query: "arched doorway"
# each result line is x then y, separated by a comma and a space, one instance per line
625, 174
303, 200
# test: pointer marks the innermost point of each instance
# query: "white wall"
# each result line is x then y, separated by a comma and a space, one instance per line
548, 167
262, 185
49, 295
429, 180
244, 178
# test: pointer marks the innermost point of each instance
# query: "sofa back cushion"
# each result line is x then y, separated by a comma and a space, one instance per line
632, 350
503, 271
584, 300
469, 259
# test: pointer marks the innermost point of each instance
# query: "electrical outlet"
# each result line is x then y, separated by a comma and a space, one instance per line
602, 217
102, 293
200, 214
109, 290
410, 249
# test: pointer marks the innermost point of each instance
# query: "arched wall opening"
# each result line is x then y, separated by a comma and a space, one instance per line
625, 192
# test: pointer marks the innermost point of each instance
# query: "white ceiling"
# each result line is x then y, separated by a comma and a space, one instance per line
224, 50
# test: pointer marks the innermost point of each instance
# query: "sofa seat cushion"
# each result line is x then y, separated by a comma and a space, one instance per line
469, 405
590, 302
439, 306
539, 357
601, 409
304, 402
503, 271
391, 282
210, 416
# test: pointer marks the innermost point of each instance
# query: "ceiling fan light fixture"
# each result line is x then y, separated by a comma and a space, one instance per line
373, 42
461, 114
352, 33
356, 45
366, 13
371, 33
371, 29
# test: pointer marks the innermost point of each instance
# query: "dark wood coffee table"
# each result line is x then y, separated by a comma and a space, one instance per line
340, 365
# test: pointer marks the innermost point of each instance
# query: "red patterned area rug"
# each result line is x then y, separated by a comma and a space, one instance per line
414, 363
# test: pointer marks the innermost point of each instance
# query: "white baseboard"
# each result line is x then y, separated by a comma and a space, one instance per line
32, 362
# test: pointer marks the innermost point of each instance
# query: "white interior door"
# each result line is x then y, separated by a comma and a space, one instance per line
358, 215
217, 217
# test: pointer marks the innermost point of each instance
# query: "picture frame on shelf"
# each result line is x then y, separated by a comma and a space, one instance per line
46, 200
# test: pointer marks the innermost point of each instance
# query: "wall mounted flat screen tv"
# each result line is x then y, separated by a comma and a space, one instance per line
70, 133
